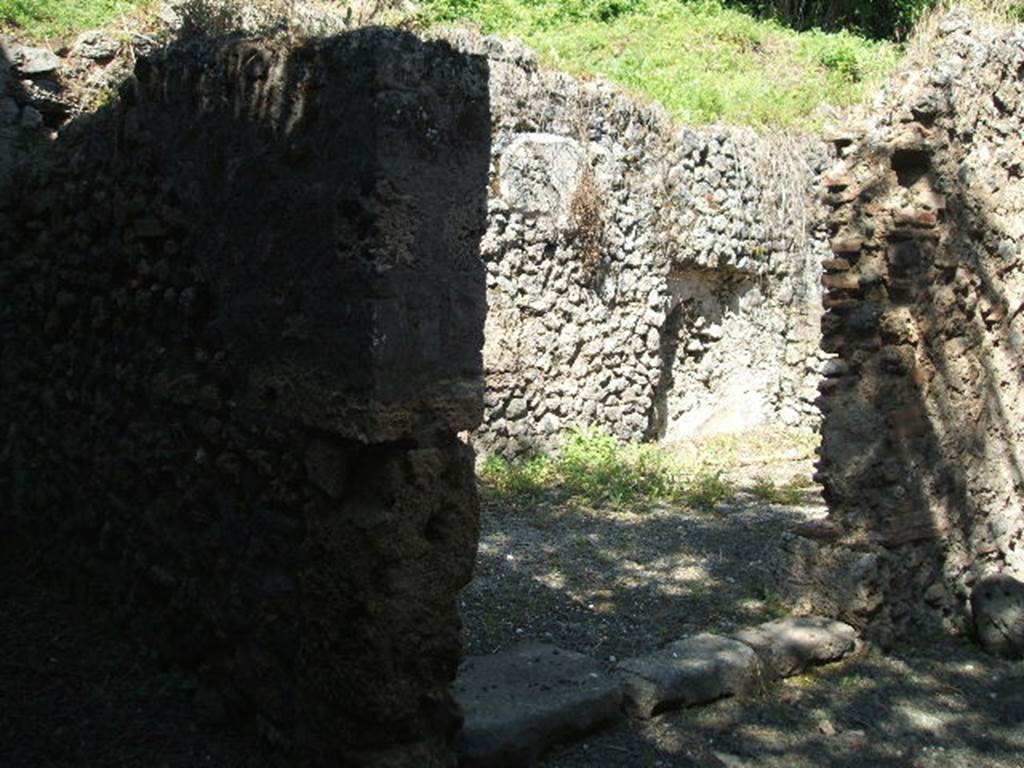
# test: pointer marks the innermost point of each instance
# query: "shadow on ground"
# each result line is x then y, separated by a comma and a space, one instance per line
615, 583
944, 706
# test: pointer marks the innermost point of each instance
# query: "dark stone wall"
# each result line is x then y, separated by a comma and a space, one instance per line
241, 330
923, 438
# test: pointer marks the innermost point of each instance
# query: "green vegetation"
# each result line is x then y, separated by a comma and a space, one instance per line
750, 62
595, 469
41, 19
790, 494
774, 605
704, 61
852, 682
706, 489
1000, 10
879, 18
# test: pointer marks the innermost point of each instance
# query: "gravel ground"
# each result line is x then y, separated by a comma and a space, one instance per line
618, 583
74, 692
615, 583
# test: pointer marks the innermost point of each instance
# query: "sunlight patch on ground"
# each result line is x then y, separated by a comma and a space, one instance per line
553, 579
933, 722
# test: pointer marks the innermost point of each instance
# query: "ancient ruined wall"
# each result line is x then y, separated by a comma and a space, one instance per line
241, 328
746, 232
924, 413
651, 281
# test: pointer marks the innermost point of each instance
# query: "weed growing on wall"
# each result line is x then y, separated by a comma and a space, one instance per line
704, 60
585, 209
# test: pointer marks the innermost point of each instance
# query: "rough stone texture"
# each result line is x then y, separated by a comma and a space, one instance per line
95, 45
10, 116
31, 61
924, 414
692, 671
997, 605
789, 646
652, 281
525, 700
241, 327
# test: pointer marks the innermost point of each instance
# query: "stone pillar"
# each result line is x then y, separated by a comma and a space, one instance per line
244, 330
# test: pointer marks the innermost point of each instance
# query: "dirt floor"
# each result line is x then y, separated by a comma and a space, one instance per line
617, 582
614, 583
74, 692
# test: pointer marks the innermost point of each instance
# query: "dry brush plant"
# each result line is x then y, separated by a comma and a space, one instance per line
585, 209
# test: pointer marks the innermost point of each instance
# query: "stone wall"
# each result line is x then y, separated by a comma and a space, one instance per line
924, 407
649, 280
242, 326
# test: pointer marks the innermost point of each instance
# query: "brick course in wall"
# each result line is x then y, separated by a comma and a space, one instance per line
924, 422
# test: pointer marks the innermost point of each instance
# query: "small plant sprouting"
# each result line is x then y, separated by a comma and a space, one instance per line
774, 605
843, 59
791, 494
706, 490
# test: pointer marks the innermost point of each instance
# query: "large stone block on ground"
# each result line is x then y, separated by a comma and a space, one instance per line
522, 702
693, 671
789, 646
997, 604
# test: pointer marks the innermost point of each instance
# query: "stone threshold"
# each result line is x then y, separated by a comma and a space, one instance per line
524, 701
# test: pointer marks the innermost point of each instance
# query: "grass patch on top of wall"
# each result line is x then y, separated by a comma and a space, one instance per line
703, 61
44, 19
706, 61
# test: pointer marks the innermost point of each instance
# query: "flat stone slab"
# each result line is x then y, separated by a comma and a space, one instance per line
687, 672
526, 700
789, 646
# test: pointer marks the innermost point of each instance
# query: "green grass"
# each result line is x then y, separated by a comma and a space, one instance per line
703, 61
706, 61
595, 469
706, 489
44, 19
790, 494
